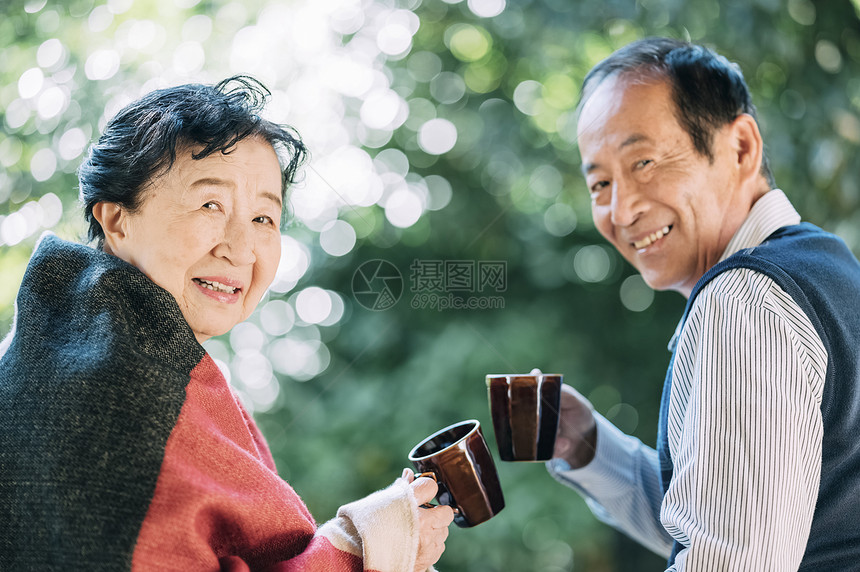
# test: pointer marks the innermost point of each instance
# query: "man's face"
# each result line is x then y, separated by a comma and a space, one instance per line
667, 209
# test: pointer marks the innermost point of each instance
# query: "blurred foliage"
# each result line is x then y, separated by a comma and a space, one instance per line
508, 81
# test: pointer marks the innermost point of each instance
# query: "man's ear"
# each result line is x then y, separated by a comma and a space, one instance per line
748, 147
113, 219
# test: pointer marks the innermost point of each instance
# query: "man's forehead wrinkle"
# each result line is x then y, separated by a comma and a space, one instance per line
590, 127
631, 140
608, 104
609, 96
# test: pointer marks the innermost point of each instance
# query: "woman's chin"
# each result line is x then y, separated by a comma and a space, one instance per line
203, 334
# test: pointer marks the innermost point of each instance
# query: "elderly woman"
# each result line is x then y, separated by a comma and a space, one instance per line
121, 444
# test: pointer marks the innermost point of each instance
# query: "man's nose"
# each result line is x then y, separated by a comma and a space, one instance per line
626, 204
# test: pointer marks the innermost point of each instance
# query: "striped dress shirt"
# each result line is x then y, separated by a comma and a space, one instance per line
744, 427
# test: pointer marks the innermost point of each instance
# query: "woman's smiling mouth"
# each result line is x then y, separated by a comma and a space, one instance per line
215, 286
217, 290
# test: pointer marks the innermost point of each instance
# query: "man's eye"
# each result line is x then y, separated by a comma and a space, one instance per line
211, 205
264, 219
598, 186
644, 163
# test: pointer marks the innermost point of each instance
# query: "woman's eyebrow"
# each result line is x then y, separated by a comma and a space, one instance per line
216, 182
272, 197
211, 182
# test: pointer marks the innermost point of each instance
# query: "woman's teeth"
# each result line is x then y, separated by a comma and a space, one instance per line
216, 286
652, 238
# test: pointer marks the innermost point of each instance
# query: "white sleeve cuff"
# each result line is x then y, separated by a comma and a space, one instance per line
621, 486
612, 469
383, 525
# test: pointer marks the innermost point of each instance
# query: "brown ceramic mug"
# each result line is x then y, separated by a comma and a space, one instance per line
525, 414
461, 463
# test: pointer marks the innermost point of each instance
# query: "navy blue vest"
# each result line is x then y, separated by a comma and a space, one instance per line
822, 275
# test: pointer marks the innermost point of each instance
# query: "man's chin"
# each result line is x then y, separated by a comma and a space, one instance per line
659, 283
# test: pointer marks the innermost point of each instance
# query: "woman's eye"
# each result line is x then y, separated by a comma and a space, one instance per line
644, 163
211, 206
264, 219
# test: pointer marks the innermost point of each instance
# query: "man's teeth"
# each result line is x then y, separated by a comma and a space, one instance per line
650, 239
216, 286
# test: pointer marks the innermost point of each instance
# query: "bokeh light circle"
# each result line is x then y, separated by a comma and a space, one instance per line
592, 263
403, 208
337, 238
560, 219
437, 136
30, 83
486, 8
635, 294
313, 305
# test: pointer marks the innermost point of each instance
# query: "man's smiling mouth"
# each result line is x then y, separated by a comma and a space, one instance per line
651, 238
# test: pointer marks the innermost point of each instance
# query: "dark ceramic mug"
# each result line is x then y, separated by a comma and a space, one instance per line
458, 458
525, 414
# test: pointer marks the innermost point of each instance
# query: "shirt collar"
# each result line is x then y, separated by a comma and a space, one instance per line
771, 212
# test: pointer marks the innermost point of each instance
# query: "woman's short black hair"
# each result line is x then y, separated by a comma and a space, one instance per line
141, 141
709, 91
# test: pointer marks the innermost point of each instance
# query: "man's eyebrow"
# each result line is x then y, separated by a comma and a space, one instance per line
633, 139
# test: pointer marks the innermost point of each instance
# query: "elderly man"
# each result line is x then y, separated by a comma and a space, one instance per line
757, 464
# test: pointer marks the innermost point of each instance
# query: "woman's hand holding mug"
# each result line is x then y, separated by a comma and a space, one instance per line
433, 521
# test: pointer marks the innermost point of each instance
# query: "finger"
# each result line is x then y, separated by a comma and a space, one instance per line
572, 399
569, 395
568, 392
438, 517
443, 516
433, 547
429, 555
439, 549
563, 446
424, 489
436, 537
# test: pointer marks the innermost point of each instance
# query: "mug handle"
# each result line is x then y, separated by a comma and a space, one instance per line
432, 475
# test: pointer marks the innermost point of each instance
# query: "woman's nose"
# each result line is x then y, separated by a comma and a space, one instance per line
237, 244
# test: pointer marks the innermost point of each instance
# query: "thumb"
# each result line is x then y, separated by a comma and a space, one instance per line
424, 489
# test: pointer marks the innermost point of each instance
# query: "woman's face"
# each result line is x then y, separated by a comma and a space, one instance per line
208, 232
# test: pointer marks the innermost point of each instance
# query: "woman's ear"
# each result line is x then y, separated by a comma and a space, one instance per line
112, 218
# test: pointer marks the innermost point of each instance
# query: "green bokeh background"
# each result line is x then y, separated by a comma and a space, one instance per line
509, 83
